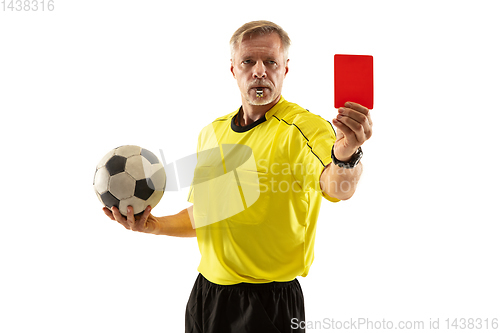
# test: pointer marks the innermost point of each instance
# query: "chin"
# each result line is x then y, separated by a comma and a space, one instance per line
252, 100
260, 102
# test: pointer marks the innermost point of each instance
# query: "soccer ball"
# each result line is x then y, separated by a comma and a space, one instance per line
129, 176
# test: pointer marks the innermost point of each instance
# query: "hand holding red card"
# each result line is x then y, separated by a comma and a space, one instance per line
353, 84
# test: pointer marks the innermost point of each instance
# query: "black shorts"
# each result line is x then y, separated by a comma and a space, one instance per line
244, 307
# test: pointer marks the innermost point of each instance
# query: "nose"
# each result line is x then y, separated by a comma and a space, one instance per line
259, 70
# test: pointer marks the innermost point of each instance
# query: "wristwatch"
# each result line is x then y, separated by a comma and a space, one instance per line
356, 157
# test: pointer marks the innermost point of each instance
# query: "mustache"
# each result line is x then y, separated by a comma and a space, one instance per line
260, 83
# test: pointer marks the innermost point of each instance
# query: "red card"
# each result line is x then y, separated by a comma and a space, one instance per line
353, 80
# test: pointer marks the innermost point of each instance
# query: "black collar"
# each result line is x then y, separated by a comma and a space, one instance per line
241, 129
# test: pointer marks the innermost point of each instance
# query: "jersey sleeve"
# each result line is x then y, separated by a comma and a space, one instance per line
311, 139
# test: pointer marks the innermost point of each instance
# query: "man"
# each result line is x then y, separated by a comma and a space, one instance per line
254, 243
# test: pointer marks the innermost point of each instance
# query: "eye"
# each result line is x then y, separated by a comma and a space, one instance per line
246, 62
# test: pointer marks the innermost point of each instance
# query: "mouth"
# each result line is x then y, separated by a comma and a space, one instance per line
259, 91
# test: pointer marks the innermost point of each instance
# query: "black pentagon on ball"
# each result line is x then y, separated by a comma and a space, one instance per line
116, 164
149, 156
151, 184
109, 200
143, 190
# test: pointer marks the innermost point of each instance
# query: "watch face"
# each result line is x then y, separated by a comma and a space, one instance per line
357, 157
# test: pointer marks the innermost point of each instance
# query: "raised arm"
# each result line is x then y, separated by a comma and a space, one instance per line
354, 125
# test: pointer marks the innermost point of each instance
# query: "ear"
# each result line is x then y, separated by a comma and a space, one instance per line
286, 67
232, 68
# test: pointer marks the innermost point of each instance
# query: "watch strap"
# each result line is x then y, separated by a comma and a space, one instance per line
356, 157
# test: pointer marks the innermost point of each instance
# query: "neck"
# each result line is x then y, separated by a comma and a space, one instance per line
252, 113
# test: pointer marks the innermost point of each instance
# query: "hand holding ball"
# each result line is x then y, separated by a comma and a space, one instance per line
129, 176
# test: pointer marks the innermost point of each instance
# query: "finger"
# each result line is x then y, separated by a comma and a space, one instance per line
119, 217
357, 107
356, 115
362, 119
108, 213
348, 133
353, 131
131, 218
369, 117
141, 223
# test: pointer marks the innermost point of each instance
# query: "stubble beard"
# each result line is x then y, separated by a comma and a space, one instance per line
267, 97
264, 100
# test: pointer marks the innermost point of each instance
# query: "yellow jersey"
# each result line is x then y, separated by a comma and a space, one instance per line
256, 194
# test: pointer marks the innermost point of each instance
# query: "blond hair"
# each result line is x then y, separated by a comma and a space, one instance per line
259, 28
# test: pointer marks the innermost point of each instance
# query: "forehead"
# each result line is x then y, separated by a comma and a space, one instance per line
254, 45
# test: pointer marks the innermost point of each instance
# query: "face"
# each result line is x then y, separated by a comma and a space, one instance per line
259, 63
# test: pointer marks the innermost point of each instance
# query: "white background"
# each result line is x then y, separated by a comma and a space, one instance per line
419, 240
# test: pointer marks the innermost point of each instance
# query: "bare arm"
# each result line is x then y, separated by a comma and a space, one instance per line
339, 182
354, 125
178, 225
